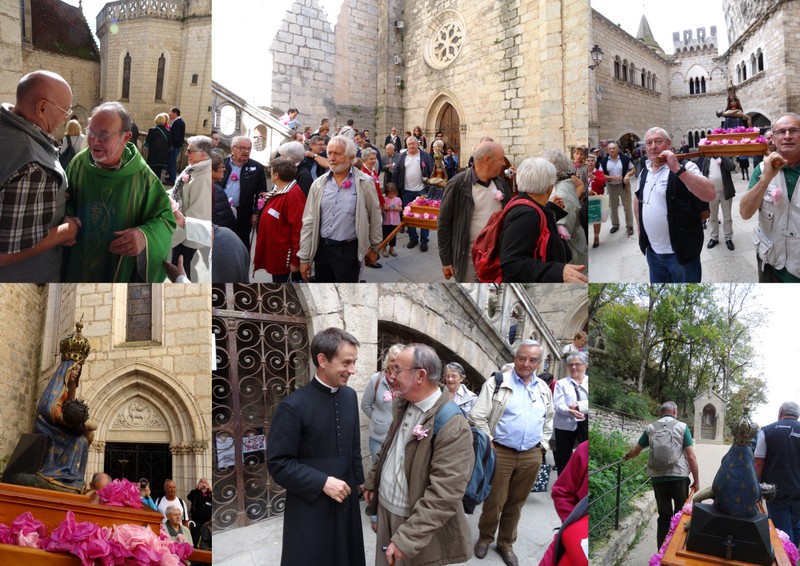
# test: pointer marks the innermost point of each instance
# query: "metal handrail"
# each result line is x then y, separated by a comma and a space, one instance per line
618, 497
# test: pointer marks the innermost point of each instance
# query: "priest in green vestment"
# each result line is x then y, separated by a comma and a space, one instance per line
126, 220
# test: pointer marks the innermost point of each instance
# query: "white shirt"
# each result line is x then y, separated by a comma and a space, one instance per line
413, 177
614, 169
654, 206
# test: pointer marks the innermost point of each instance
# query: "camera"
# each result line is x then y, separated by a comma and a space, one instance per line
509, 172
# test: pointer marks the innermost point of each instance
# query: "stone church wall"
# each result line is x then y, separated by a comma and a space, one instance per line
623, 107
22, 308
10, 55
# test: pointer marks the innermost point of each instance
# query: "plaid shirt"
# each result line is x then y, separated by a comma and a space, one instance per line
27, 207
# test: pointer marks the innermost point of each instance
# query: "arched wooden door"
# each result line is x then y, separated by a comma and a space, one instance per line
262, 349
449, 124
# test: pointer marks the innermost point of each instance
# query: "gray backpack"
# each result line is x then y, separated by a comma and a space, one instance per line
666, 444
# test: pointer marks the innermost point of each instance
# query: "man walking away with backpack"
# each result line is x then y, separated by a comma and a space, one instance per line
671, 459
517, 414
422, 470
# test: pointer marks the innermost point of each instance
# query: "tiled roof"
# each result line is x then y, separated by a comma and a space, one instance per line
61, 28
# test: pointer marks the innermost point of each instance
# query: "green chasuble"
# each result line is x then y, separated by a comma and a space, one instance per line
110, 200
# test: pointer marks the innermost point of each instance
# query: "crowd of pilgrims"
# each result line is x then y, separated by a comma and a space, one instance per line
270, 240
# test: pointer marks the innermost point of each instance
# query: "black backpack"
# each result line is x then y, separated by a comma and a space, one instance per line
69, 153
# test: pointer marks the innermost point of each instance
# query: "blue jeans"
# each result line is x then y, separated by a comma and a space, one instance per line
172, 164
407, 197
786, 517
664, 268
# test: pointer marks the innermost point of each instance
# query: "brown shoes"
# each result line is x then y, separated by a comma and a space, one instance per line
481, 548
508, 557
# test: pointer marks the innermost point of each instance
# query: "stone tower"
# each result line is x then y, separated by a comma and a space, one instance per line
155, 56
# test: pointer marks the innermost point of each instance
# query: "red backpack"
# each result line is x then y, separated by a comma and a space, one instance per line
486, 251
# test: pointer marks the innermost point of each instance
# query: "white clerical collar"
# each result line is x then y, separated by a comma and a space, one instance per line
333, 389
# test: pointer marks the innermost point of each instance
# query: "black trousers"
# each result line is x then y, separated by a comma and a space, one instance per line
670, 497
336, 263
566, 440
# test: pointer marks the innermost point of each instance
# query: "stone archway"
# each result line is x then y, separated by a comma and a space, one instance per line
708, 428
709, 417
445, 114
143, 404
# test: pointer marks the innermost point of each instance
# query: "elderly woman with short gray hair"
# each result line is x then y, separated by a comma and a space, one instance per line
454, 376
571, 404
530, 248
567, 188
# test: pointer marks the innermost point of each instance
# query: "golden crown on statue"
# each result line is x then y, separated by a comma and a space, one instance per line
75, 346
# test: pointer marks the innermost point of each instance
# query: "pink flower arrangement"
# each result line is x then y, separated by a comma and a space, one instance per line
726, 141
424, 215
234, 177
124, 544
788, 546
347, 184
736, 130
419, 432
427, 202
120, 493
388, 396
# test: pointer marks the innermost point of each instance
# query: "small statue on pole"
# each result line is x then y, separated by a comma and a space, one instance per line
733, 113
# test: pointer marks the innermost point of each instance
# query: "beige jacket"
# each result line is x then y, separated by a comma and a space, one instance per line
489, 407
368, 217
438, 471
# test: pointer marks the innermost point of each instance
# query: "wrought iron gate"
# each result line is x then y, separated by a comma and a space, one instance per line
261, 356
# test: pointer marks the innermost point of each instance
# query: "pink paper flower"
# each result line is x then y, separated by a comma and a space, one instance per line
498, 195
775, 193
120, 493
234, 177
761, 139
28, 531
788, 546
185, 177
564, 233
419, 432
387, 397
5, 534
347, 184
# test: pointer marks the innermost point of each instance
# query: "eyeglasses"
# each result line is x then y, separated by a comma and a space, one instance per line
189, 150
242, 148
103, 137
396, 371
783, 132
575, 365
66, 112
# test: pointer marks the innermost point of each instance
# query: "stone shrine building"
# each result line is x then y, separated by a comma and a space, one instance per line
152, 55
639, 86
145, 381
515, 71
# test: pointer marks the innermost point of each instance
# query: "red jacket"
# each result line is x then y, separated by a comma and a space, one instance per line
278, 236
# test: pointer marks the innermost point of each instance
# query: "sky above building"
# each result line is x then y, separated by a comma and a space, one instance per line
667, 17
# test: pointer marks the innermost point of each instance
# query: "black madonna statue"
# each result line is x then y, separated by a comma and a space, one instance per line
62, 428
733, 113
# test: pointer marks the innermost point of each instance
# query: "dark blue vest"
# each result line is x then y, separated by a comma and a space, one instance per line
782, 465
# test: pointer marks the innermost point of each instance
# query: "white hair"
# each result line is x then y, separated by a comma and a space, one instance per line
350, 148
294, 150
557, 158
535, 175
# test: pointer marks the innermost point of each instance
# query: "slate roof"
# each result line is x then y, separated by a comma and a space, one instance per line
61, 28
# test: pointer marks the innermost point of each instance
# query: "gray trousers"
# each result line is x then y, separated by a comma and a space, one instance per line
727, 222
615, 194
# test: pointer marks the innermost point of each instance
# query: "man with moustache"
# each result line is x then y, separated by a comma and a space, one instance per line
469, 200
342, 219
772, 193
673, 199
314, 451
244, 180
419, 480
518, 417
125, 215
33, 184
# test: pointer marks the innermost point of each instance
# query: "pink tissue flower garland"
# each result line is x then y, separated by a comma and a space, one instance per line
424, 215
124, 544
759, 139
121, 493
655, 560
736, 130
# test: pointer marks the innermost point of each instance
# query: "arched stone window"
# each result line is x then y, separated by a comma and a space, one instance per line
753, 64
625, 70
617, 68
126, 77
703, 85
744, 71
738, 73
760, 57
162, 63
644, 79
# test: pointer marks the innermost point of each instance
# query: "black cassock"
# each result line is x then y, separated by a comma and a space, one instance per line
315, 434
